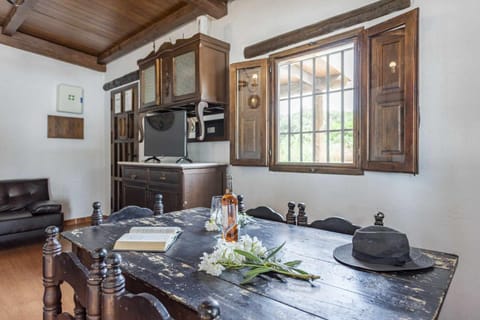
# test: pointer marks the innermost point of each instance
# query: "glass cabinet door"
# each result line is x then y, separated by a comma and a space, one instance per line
149, 93
184, 70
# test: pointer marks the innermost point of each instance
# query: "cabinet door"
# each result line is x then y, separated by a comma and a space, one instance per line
185, 73
248, 119
134, 194
150, 84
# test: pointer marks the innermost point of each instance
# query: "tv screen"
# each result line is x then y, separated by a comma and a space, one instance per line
166, 134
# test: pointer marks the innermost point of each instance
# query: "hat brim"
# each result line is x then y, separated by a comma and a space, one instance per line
419, 261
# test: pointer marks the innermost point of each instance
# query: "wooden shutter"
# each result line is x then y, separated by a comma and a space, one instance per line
389, 115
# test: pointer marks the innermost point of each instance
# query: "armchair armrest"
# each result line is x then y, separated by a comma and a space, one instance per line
41, 207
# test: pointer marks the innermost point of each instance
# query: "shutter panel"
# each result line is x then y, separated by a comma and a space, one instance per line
390, 117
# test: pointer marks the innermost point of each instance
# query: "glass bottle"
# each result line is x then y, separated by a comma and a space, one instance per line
230, 213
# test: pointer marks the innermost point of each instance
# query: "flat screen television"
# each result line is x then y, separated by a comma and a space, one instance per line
166, 135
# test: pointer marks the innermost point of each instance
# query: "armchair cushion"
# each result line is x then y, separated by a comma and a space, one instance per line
46, 206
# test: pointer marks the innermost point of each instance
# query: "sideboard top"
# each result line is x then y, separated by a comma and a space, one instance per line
195, 165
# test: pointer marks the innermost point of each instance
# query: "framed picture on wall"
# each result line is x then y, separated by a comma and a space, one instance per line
128, 100
117, 102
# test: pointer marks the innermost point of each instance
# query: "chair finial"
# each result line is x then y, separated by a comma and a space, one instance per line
379, 216
209, 310
97, 214
302, 219
158, 205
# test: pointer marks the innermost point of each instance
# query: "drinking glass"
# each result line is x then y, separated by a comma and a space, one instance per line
216, 211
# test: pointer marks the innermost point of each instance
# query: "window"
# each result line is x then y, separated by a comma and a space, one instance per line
315, 111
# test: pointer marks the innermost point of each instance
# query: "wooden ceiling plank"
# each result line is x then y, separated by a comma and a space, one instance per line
28, 43
17, 16
185, 14
214, 8
344, 20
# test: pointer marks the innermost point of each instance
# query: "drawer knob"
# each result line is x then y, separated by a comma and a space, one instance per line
133, 176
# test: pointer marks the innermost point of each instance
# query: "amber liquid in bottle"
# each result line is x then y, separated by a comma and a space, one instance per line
229, 214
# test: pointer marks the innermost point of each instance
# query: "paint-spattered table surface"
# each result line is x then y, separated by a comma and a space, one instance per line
341, 292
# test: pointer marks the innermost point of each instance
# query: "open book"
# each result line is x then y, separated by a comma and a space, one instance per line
148, 239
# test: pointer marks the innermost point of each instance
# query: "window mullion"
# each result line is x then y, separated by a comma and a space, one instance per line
289, 82
342, 99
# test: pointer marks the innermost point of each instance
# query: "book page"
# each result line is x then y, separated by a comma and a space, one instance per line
168, 230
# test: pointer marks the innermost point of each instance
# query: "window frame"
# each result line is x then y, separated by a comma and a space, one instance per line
354, 168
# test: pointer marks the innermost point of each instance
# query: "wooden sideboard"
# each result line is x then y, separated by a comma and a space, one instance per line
183, 186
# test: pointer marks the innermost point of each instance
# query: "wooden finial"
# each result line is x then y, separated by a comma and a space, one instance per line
113, 286
379, 216
52, 294
241, 203
209, 310
302, 219
97, 214
291, 216
158, 206
96, 275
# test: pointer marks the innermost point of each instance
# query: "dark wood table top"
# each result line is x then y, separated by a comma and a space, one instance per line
341, 293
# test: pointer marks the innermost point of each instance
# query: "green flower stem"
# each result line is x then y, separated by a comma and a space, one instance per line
274, 267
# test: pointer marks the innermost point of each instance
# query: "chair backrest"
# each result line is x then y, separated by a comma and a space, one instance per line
335, 224
130, 212
99, 293
266, 213
61, 267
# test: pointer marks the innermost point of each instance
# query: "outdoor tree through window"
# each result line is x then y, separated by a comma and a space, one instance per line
316, 108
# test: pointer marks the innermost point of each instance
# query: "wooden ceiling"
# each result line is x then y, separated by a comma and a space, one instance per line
92, 33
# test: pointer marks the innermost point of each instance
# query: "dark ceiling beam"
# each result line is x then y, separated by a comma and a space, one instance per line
52, 50
17, 16
184, 15
214, 8
344, 20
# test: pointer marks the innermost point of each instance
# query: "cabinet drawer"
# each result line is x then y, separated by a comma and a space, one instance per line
135, 174
163, 176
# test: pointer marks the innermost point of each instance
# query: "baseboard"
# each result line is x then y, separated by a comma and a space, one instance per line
76, 221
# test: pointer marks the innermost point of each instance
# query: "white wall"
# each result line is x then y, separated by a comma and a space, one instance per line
437, 208
76, 168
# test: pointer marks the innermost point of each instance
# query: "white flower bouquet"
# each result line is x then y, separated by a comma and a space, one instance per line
249, 254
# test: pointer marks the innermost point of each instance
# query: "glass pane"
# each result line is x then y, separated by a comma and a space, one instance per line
283, 81
307, 77
335, 71
348, 67
348, 109
321, 147
335, 111
307, 147
320, 74
148, 84
295, 72
283, 117
295, 115
283, 148
295, 148
184, 66
307, 114
348, 146
321, 112
335, 145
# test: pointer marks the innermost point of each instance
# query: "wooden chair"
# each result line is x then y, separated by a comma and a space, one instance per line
59, 267
335, 224
99, 294
128, 212
266, 213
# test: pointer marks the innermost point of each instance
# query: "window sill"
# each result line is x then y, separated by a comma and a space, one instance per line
325, 169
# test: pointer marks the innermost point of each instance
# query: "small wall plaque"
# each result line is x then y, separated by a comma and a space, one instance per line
69, 99
65, 127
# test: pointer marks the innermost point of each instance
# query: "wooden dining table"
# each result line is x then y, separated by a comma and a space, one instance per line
341, 292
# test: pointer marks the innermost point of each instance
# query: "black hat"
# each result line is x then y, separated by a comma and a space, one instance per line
379, 248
